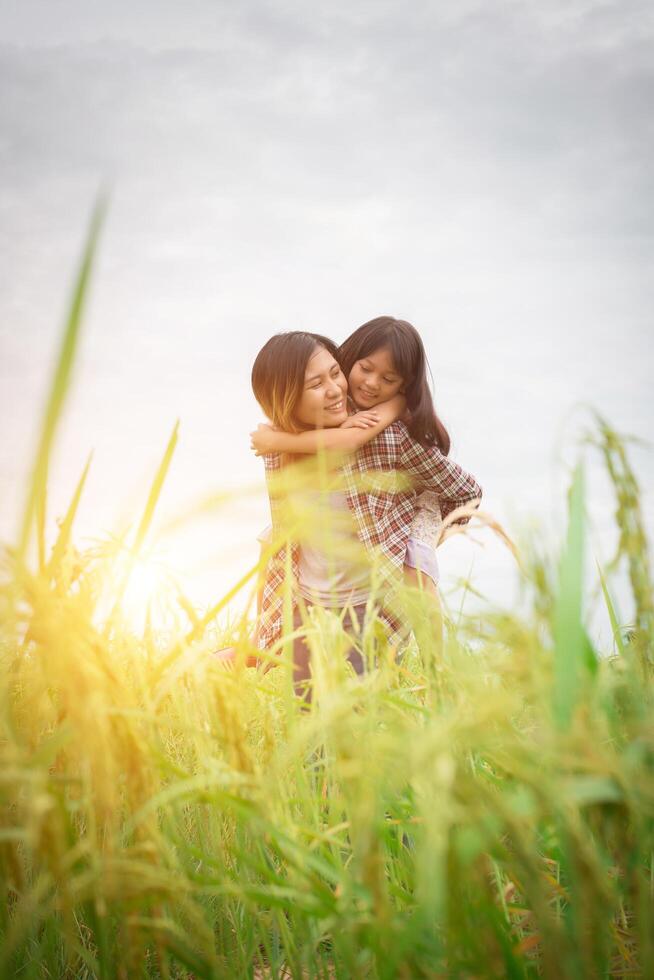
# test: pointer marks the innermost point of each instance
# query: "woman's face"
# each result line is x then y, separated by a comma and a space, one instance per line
374, 379
323, 404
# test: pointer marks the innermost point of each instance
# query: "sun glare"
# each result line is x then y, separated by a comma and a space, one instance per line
149, 594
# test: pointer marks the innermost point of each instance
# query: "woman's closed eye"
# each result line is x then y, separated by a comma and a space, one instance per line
333, 375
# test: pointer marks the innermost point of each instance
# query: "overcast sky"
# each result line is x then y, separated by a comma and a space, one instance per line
483, 169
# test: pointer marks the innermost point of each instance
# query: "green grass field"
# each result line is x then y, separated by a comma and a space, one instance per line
481, 810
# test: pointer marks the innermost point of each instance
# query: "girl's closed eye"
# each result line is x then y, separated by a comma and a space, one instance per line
374, 379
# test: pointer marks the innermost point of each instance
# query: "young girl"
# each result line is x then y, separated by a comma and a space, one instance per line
385, 364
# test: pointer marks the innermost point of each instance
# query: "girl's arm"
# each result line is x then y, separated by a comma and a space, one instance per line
347, 438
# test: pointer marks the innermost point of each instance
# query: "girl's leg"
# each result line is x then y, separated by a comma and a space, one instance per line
424, 611
416, 579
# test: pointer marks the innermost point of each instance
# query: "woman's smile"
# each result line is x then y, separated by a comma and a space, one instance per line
323, 401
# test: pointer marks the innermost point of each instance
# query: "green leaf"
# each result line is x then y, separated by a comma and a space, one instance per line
570, 641
615, 625
155, 489
63, 538
36, 496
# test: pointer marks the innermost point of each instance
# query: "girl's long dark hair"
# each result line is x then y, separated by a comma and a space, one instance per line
410, 361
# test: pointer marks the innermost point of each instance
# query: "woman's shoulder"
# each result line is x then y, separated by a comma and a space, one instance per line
396, 430
398, 440
388, 443
395, 434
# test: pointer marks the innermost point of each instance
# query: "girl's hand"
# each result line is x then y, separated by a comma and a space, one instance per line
361, 420
263, 439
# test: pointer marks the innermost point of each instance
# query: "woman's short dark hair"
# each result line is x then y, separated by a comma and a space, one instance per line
278, 374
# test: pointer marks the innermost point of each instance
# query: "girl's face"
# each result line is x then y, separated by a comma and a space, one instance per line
374, 379
323, 404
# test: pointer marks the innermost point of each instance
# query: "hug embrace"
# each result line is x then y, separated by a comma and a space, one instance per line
359, 482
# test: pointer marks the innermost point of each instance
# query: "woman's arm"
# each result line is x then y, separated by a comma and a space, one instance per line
348, 438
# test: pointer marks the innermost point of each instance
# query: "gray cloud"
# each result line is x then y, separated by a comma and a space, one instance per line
497, 100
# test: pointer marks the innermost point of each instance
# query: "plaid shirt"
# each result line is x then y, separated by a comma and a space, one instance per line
382, 481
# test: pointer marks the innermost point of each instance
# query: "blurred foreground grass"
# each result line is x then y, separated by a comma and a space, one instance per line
482, 811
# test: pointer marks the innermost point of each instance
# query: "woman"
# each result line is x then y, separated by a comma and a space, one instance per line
298, 382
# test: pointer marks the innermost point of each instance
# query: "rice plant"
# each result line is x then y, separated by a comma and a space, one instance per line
480, 808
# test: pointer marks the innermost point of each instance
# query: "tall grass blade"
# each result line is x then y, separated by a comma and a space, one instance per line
35, 505
40, 509
144, 525
570, 645
155, 490
63, 538
616, 629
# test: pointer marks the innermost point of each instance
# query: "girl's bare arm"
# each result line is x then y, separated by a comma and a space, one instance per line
353, 434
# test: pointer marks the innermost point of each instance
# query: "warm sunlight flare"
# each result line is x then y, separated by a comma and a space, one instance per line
150, 593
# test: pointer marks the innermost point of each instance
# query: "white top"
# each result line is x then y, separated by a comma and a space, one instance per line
334, 569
